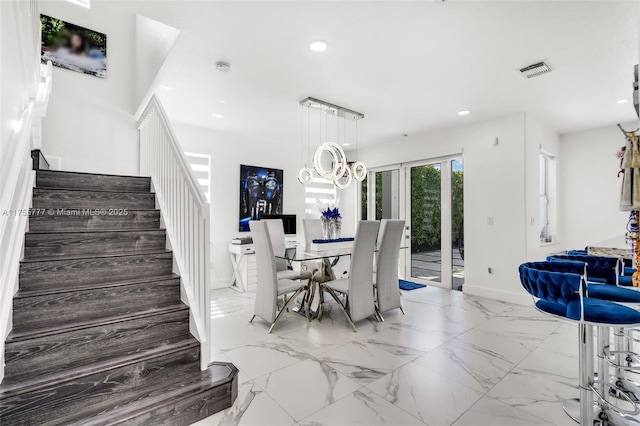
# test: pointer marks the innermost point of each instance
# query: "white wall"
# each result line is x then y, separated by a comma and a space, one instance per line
19, 78
228, 152
589, 186
494, 187
154, 41
91, 125
17, 72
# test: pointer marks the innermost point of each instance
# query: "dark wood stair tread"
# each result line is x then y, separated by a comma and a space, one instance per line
115, 191
80, 325
92, 286
69, 243
66, 308
41, 381
48, 354
80, 199
97, 256
94, 174
136, 219
217, 375
90, 181
95, 231
79, 271
123, 394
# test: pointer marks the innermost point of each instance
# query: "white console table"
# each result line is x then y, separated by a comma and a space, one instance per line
243, 259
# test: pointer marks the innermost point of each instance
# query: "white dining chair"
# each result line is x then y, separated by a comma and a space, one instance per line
312, 231
386, 276
269, 286
358, 287
322, 270
278, 244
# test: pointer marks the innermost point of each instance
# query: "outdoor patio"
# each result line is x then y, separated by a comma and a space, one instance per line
428, 266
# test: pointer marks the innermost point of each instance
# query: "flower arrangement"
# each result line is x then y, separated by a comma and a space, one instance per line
331, 213
331, 220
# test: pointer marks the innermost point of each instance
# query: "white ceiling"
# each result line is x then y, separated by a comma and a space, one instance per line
409, 66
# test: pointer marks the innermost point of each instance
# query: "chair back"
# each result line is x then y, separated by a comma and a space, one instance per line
387, 264
605, 268
278, 244
564, 266
312, 231
361, 271
577, 252
267, 289
561, 292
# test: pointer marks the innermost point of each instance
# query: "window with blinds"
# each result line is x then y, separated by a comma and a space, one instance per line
201, 168
321, 191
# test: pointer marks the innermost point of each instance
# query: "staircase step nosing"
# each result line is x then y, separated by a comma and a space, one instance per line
93, 174
29, 385
39, 188
97, 231
97, 256
22, 336
126, 413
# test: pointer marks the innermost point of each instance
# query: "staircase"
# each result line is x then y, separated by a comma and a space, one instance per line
100, 335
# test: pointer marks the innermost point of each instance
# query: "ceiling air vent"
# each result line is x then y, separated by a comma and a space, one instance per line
535, 70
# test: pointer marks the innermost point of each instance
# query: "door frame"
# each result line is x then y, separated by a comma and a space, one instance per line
404, 212
446, 244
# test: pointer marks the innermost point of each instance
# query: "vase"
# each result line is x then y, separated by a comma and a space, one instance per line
331, 228
335, 229
325, 228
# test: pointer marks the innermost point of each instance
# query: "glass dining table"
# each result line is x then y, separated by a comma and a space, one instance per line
321, 264
324, 265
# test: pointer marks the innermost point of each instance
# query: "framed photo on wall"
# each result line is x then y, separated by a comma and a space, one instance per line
73, 47
260, 193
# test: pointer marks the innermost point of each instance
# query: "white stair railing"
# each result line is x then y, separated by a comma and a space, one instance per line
185, 213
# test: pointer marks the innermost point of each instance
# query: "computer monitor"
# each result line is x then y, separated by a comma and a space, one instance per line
288, 221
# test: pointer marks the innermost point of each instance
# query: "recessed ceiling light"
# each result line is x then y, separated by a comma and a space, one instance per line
216, 115
622, 101
345, 144
318, 45
465, 112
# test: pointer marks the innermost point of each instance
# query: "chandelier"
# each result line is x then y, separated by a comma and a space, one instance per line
329, 160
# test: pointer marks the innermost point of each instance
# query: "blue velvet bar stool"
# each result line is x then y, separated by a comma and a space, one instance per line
581, 252
601, 267
627, 273
563, 295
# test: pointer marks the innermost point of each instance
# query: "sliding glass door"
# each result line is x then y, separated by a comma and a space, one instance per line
457, 223
429, 196
425, 200
381, 195
435, 212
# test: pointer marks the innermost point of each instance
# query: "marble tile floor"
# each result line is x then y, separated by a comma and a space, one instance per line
452, 359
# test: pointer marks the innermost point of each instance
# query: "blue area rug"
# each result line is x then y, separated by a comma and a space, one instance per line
408, 285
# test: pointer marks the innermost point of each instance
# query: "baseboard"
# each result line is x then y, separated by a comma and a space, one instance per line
215, 284
520, 298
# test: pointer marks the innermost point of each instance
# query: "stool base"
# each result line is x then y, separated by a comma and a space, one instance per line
625, 385
601, 417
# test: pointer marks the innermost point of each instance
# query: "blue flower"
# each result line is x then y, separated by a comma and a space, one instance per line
331, 214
